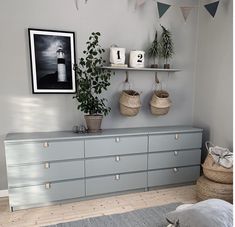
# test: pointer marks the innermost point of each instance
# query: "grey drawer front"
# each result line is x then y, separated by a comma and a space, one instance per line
108, 184
116, 164
26, 196
19, 153
41, 173
116, 146
168, 159
175, 141
168, 176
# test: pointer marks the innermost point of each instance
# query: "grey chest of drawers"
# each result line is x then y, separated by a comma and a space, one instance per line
45, 168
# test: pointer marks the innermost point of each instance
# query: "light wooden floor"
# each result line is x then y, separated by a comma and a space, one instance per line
91, 208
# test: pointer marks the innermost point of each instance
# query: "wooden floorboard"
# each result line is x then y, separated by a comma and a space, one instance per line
91, 208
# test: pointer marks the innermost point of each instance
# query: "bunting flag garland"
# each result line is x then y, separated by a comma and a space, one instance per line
186, 11
162, 8
212, 8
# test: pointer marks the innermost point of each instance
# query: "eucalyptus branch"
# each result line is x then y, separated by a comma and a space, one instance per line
92, 80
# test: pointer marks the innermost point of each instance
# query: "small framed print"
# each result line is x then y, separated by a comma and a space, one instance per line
52, 58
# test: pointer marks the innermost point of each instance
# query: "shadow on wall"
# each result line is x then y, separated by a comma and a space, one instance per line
3, 178
35, 114
205, 137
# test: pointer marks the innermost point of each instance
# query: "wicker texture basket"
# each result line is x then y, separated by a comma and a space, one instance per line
217, 173
129, 103
207, 189
160, 103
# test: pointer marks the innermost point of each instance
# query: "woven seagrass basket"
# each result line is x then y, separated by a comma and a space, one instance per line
207, 189
129, 103
215, 172
160, 103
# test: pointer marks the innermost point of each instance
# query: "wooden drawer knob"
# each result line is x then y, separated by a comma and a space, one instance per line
47, 185
176, 136
117, 158
47, 165
176, 153
46, 144
117, 177
117, 140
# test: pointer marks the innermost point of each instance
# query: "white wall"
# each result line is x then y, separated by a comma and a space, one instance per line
119, 23
213, 106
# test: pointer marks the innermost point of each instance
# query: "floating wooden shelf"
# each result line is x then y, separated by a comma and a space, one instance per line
141, 69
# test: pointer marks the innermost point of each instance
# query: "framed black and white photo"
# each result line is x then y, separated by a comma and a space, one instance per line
52, 59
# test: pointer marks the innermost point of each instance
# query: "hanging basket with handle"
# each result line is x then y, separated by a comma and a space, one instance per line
129, 103
160, 102
213, 167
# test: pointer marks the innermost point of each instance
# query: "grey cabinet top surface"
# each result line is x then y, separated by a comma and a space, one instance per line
65, 135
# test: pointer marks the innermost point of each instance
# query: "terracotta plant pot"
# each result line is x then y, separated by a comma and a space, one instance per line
93, 122
154, 66
167, 66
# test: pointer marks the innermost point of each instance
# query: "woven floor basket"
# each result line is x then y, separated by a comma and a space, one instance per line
129, 103
207, 189
216, 172
160, 103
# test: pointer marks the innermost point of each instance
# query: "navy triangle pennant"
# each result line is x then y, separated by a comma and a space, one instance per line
162, 8
212, 8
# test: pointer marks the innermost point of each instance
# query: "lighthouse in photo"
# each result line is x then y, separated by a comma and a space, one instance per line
62, 77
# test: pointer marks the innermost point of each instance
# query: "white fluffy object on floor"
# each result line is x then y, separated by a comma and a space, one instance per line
208, 213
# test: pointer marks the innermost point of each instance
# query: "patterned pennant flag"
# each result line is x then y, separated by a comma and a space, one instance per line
212, 8
162, 8
185, 11
140, 3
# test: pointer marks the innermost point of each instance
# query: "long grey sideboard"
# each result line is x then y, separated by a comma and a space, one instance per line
48, 167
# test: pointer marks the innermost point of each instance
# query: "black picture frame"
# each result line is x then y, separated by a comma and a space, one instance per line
52, 57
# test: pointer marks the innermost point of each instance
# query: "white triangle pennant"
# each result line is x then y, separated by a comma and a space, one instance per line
186, 11
76, 4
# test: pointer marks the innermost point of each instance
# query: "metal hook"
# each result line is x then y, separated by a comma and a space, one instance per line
127, 77
156, 79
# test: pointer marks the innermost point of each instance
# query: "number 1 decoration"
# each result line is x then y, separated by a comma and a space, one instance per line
117, 55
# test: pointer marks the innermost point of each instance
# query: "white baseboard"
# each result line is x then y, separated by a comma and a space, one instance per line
3, 193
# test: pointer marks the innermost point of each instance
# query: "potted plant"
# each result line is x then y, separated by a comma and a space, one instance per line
154, 51
167, 46
92, 80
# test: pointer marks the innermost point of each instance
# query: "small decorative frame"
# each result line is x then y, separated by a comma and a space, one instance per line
52, 55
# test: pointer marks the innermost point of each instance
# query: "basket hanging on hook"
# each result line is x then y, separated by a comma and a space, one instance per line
129, 101
160, 102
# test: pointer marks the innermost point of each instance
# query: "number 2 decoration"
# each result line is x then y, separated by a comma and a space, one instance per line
137, 59
140, 58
